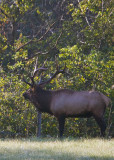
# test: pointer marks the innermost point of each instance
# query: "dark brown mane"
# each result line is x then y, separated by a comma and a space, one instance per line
44, 99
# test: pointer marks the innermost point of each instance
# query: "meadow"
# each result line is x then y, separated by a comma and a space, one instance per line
55, 149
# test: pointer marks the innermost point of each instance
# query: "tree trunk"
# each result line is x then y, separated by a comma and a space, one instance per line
39, 123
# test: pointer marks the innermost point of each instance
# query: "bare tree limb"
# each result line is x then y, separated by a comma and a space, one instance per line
46, 32
102, 6
88, 22
35, 37
58, 39
85, 17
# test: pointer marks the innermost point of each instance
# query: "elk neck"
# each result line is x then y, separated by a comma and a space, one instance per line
44, 99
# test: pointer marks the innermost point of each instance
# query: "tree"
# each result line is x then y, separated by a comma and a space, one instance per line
76, 32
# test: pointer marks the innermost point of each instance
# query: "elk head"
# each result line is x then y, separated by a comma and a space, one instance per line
36, 89
33, 86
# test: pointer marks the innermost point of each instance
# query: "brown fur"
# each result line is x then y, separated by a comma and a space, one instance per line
67, 103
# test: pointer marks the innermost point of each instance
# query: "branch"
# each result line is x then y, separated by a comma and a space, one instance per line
88, 22
24, 45
58, 39
102, 6
35, 55
35, 37
85, 16
4, 12
46, 32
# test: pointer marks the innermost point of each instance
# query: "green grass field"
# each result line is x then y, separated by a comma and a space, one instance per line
54, 149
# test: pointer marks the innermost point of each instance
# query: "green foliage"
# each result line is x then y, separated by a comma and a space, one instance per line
79, 34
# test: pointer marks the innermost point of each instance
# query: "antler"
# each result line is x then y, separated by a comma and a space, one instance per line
27, 82
36, 70
54, 75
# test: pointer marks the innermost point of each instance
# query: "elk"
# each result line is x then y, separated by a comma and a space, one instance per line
64, 103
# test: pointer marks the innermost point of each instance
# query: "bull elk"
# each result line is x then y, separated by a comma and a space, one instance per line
65, 103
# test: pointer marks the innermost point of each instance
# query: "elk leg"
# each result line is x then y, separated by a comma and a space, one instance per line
102, 125
61, 121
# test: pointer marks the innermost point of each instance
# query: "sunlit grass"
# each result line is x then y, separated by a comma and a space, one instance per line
54, 149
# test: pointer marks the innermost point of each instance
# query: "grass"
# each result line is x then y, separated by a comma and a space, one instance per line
54, 149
